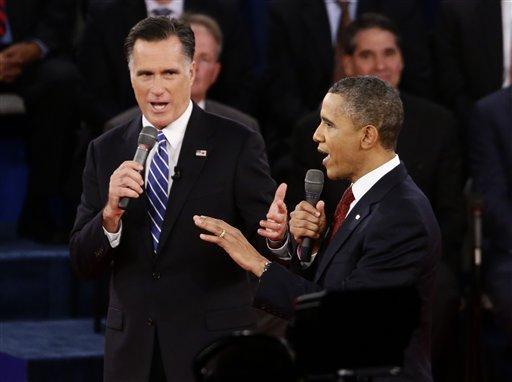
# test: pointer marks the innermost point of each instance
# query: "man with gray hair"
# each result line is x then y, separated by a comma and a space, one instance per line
170, 294
384, 233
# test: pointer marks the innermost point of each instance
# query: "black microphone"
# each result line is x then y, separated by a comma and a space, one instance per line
177, 173
147, 139
313, 185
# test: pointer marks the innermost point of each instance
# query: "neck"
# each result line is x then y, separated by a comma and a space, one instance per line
375, 159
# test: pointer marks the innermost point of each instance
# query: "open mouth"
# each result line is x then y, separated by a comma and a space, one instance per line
327, 156
158, 106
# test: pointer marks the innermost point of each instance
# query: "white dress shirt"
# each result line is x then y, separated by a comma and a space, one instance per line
174, 132
359, 189
334, 13
506, 18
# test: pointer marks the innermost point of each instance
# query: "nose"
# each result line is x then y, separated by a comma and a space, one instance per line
317, 135
380, 63
157, 87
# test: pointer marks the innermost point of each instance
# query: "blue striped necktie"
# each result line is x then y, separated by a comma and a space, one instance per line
157, 188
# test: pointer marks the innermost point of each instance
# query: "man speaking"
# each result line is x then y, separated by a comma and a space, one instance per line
170, 293
384, 233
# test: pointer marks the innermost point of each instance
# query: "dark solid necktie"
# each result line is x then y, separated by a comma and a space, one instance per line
157, 188
342, 210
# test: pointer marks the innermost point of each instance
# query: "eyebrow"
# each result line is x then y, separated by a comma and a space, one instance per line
325, 119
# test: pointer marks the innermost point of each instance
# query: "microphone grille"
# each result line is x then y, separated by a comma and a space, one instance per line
147, 136
314, 181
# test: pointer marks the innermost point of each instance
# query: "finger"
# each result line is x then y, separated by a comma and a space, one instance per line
127, 182
125, 192
208, 224
271, 235
211, 239
303, 215
131, 164
280, 192
305, 225
271, 225
305, 206
320, 206
130, 173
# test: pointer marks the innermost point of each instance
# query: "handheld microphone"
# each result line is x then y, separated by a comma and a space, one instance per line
147, 139
313, 185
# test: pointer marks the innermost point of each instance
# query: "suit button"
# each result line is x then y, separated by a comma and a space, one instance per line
150, 322
156, 275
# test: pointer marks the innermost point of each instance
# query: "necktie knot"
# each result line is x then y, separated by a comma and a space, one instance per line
162, 12
161, 138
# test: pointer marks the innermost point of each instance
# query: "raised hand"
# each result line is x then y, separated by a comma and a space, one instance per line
275, 226
125, 181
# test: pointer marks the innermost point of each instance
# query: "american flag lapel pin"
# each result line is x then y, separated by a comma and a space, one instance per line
201, 153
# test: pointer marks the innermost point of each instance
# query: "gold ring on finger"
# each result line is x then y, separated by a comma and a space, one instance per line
223, 233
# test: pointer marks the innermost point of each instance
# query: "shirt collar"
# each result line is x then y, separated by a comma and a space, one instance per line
175, 131
202, 103
366, 182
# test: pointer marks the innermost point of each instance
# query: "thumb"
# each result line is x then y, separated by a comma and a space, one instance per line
280, 192
320, 206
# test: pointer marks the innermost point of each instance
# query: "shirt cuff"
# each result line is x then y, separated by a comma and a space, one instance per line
44, 48
282, 252
114, 238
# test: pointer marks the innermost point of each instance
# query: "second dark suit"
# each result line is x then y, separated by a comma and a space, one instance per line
389, 238
190, 292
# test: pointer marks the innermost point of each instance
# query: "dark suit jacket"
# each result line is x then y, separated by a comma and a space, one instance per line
430, 149
491, 164
190, 293
300, 54
468, 51
390, 238
50, 21
102, 62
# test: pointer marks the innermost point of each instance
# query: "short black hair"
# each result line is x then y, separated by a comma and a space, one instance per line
367, 100
158, 29
364, 22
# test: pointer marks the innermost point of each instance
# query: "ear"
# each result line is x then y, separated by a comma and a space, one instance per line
370, 137
216, 70
192, 71
348, 65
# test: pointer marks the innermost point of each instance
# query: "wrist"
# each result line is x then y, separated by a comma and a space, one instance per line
111, 219
261, 266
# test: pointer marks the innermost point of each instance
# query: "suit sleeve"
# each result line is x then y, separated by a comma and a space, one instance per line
491, 176
89, 248
395, 252
55, 25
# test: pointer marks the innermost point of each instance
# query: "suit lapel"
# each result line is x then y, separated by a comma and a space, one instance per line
197, 138
360, 212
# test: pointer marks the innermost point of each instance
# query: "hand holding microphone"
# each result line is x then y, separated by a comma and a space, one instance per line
126, 182
308, 222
